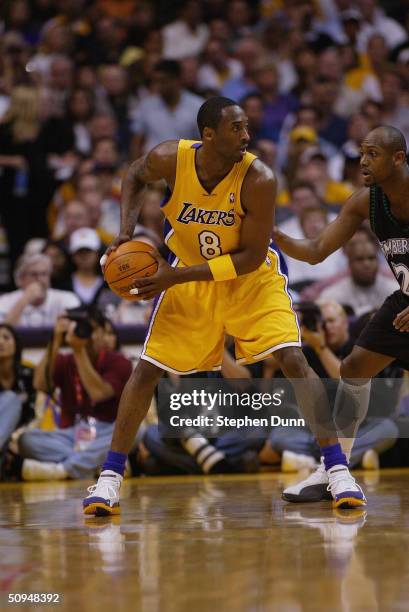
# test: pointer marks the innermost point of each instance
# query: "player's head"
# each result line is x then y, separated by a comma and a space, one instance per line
383, 152
223, 125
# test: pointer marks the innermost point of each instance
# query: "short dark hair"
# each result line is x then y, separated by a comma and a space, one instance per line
391, 138
210, 112
170, 67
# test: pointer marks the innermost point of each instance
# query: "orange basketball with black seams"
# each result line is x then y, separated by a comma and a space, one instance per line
129, 261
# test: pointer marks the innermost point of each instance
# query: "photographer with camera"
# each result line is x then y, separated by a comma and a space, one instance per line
325, 333
90, 380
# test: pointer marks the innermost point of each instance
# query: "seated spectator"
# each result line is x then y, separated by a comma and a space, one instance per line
314, 168
34, 303
365, 288
189, 28
86, 279
17, 394
61, 265
247, 51
276, 106
217, 67
166, 114
89, 186
309, 220
73, 216
90, 381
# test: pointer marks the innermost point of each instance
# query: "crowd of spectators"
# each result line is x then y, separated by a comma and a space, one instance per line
86, 86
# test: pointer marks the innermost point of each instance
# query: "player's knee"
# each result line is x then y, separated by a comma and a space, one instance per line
292, 362
350, 367
145, 375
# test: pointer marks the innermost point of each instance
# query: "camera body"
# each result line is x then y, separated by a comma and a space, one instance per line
83, 328
310, 315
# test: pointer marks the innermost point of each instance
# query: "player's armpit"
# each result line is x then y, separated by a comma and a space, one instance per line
258, 200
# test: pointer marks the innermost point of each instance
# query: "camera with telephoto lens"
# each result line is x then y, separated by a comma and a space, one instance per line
309, 314
83, 328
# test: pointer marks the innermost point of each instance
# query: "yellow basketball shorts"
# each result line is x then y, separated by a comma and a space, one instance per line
189, 322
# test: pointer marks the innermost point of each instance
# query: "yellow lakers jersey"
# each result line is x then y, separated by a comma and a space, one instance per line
201, 225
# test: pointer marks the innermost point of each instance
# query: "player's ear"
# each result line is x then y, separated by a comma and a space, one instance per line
208, 133
399, 158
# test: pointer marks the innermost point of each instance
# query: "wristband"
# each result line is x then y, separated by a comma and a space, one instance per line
222, 268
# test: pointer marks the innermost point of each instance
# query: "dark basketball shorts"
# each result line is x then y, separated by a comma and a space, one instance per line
380, 336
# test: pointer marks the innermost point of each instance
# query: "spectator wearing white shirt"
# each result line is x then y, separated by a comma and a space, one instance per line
308, 221
375, 20
34, 303
169, 114
187, 36
218, 67
365, 288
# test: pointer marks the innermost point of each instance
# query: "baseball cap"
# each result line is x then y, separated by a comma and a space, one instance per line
84, 238
303, 132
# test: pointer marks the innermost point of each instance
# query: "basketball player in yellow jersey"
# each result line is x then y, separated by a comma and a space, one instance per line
224, 278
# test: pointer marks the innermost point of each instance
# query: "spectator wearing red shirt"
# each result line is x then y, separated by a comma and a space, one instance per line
90, 381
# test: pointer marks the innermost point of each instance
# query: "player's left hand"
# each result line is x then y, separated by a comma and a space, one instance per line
401, 321
165, 276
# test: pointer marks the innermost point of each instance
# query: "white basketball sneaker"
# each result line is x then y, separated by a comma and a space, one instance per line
103, 498
311, 489
346, 493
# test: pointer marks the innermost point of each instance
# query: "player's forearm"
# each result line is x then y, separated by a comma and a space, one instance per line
94, 384
130, 200
243, 262
303, 250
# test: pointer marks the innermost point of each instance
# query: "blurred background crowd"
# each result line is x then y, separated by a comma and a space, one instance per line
86, 86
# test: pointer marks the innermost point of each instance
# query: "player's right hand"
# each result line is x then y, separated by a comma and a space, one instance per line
120, 239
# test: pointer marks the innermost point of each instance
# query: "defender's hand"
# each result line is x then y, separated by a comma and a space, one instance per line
164, 277
401, 321
120, 239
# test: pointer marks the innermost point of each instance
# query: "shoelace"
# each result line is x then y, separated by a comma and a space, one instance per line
110, 488
344, 475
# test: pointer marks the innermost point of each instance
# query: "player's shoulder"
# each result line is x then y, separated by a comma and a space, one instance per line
359, 201
165, 149
260, 173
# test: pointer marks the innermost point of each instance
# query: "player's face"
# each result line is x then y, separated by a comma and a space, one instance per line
376, 162
231, 137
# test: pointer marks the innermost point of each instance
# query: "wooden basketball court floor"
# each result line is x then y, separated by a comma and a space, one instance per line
207, 544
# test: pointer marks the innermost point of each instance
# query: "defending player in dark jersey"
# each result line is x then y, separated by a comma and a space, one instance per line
385, 202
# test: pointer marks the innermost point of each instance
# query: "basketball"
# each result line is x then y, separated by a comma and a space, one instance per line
129, 261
